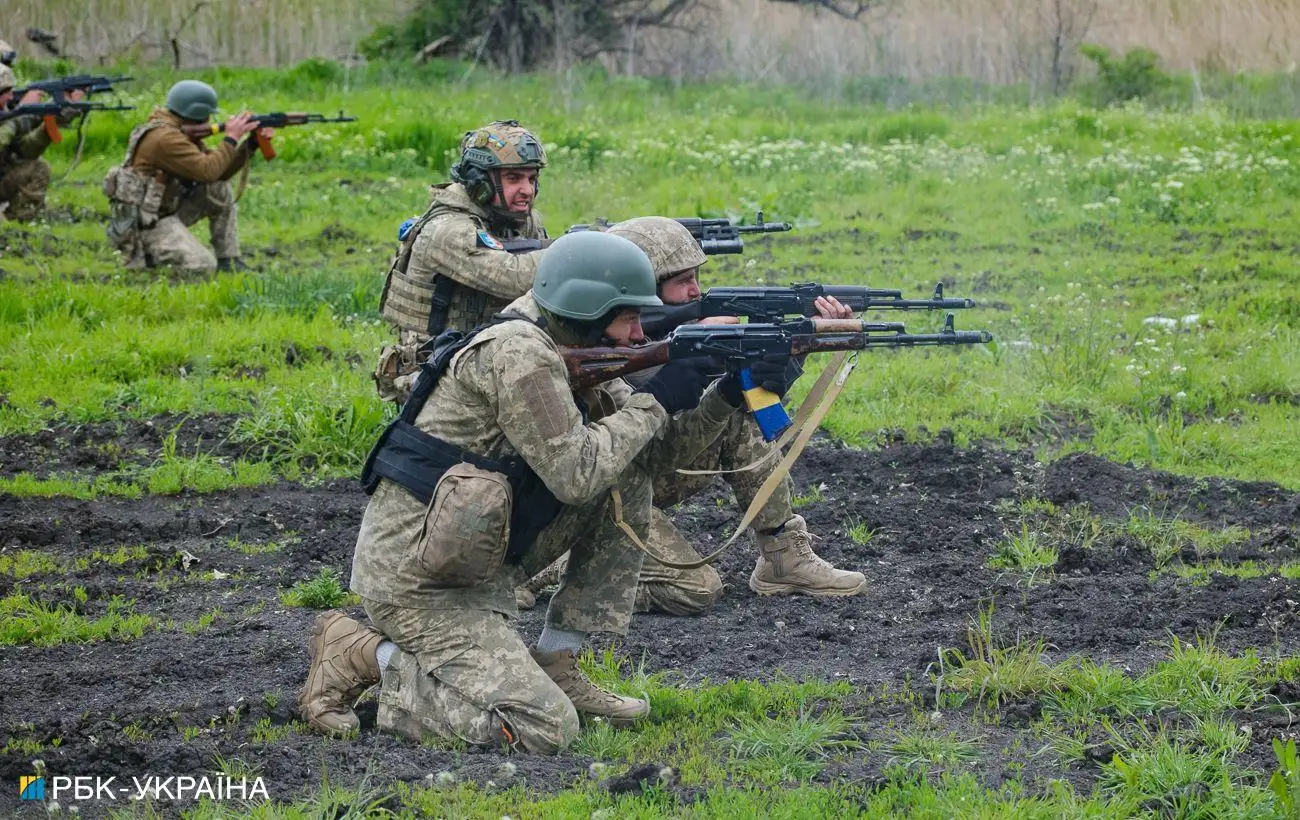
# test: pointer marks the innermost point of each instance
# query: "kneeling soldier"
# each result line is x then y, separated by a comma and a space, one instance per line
169, 181
495, 468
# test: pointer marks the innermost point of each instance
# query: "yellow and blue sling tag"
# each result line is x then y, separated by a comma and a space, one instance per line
766, 407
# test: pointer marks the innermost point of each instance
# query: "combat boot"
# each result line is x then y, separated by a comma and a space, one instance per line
562, 667
343, 665
787, 565
231, 264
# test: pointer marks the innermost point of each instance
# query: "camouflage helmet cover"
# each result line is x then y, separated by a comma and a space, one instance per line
585, 275
7, 78
670, 246
502, 144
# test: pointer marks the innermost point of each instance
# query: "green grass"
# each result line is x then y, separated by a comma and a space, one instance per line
1029, 553
24, 621
324, 591
1071, 226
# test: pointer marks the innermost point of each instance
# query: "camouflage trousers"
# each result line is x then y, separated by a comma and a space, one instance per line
169, 241
694, 591
466, 674
22, 190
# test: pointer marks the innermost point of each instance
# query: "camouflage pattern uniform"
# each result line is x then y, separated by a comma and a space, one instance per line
787, 562
457, 240
167, 183
461, 671
24, 175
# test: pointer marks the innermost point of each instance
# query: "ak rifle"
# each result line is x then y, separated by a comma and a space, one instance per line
715, 236
774, 304
739, 345
49, 112
277, 119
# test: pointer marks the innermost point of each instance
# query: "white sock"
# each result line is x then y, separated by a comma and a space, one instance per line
556, 640
384, 653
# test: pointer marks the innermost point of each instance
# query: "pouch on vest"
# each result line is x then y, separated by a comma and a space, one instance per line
466, 527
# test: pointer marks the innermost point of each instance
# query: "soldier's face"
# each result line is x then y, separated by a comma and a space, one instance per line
625, 329
682, 288
6, 96
519, 189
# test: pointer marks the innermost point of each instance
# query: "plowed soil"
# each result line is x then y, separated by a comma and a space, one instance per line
937, 513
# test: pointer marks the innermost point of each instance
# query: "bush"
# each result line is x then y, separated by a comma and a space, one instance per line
1136, 76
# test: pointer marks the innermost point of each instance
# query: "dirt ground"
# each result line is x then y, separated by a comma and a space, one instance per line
120, 708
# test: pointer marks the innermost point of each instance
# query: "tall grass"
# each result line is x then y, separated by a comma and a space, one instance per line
1028, 42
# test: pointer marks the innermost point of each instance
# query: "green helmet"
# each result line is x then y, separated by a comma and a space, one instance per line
500, 144
192, 100
7, 78
670, 246
585, 275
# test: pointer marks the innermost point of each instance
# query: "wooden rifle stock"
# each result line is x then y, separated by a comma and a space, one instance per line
590, 366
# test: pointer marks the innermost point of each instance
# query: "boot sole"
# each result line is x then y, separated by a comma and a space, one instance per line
767, 589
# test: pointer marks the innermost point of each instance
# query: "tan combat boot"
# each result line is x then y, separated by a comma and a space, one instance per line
787, 565
562, 667
343, 665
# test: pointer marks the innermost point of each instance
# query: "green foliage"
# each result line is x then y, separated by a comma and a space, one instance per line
1029, 552
1136, 76
1285, 782
24, 621
994, 672
321, 592
796, 748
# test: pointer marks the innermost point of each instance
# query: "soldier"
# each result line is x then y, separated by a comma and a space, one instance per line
786, 563
451, 269
494, 469
24, 175
169, 181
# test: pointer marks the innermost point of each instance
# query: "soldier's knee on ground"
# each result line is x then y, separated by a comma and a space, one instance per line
24, 188
695, 597
543, 733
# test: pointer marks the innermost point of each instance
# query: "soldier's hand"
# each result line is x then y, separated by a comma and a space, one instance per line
30, 97
76, 95
828, 307
720, 320
266, 133
239, 125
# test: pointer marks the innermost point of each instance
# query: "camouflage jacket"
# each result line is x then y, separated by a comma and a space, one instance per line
456, 239
507, 394
21, 139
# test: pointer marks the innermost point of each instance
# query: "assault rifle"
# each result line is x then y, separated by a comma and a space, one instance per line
715, 236
59, 87
771, 304
49, 112
278, 119
740, 344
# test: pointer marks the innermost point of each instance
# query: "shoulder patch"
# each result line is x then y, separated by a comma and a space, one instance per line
487, 240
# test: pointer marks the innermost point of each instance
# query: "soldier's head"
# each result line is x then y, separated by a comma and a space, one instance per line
500, 166
7, 54
673, 252
7, 83
591, 286
192, 100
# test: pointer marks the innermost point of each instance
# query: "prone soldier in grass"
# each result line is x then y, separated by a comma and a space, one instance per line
495, 468
451, 269
786, 563
24, 174
169, 181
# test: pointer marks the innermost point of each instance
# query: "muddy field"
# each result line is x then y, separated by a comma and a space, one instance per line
185, 699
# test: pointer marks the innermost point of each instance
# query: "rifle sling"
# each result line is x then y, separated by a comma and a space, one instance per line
842, 369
